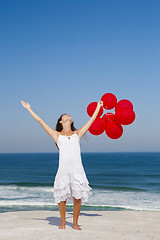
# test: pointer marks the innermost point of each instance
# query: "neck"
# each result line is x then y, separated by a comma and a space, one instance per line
67, 128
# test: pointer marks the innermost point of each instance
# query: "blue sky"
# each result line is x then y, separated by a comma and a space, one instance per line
61, 55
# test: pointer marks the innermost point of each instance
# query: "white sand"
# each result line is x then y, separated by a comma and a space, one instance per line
108, 225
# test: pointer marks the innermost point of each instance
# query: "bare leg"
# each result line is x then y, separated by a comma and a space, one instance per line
62, 210
77, 208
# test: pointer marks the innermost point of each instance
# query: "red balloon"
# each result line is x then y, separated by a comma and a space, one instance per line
125, 116
124, 103
113, 130
92, 107
97, 127
109, 100
108, 117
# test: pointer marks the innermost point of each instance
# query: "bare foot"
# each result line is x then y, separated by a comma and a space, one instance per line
76, 227
62, 226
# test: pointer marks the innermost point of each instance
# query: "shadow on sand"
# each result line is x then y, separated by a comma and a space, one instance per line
56, 221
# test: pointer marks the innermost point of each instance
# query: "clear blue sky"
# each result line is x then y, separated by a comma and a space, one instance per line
61, 55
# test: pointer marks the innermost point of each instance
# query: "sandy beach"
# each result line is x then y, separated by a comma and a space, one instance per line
112, 225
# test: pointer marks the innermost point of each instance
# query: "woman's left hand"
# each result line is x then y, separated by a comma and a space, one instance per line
100, 103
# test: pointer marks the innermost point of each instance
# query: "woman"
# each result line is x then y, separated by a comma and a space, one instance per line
70, 180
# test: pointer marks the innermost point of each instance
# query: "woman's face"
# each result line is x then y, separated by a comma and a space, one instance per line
66, 117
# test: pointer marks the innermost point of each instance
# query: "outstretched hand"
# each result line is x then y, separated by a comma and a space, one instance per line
100, 103
26, 105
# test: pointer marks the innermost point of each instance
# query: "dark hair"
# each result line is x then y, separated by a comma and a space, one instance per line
59, 126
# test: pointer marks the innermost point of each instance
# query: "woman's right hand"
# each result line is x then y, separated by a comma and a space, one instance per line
26, 105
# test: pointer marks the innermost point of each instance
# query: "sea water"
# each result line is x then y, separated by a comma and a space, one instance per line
119, 181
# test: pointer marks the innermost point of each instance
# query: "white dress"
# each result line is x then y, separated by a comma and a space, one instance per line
70, 180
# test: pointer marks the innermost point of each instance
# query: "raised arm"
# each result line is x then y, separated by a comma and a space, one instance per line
53, 133
85, 128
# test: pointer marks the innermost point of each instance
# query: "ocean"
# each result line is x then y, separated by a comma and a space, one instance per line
119, 181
